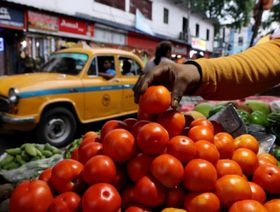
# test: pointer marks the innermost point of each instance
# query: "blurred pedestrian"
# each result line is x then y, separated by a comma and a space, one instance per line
162, 55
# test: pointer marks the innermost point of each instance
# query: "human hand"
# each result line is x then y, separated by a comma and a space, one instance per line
180, 79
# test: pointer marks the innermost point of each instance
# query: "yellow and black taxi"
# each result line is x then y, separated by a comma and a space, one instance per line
77, 85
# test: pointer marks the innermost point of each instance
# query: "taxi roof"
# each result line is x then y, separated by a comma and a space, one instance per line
84, 48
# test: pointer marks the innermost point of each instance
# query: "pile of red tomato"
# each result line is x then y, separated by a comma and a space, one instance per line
154, 162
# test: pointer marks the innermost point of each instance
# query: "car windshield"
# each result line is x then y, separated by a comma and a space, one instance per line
65, 63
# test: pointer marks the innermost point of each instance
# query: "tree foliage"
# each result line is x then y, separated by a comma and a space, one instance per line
235, 13
274, 15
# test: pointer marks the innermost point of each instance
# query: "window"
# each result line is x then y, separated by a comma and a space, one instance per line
145, 6
197, 30
129, 67
119, 4
185, 24
106, 64
92, 68
65, 63
165, 15
240, 41
207, 34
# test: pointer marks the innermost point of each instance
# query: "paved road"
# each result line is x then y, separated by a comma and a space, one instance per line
11, 140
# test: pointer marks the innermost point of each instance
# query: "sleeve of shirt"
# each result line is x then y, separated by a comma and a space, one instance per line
255, 70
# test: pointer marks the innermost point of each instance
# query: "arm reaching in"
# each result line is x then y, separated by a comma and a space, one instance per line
224, 78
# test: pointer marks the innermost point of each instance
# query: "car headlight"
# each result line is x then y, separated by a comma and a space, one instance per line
13, 96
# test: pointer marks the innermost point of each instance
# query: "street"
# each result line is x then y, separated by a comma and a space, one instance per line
15, 139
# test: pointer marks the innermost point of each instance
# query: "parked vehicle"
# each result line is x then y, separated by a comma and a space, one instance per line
69, 90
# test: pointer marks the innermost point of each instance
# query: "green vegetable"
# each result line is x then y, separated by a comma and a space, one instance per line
6, 160
245, 116
12, 165
256, 105
30, 149
20, 160
258, 117
216, 109
47, 153
13, 151
276, 153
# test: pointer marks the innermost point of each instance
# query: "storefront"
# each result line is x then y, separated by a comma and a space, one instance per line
142, 45
179, 52
11, 34
198, 47
47, 34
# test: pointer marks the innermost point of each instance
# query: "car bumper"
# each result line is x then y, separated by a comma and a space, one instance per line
5, 119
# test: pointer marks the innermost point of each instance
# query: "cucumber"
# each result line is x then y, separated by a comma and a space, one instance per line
8, 159
53, 149
20, 160
13, 151
12, 165
30, 149
25, 156
47, 153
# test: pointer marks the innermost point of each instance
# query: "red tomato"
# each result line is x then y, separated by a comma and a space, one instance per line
172, 121
156, 99
247, 160
119, 145
201, 132
207, 151
232, 188
247, 206
99, 169
200, 175
181, 147
226, 167
203, 122
101, 197
224, 143
130, 122
149, 192
258, 193
65, 174
68, 201
121, 178
137, 209
267, 158
89, 150
146, 116
268, 177
90, 136
46, 175
246, 141
168, 170
128, 197
75, 154
272, 205
174, 197
111, 125
139, 167
31, 195
196, 202
136, 127
152, 138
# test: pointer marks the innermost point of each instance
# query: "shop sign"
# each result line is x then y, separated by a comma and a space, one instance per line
11, 17
42, 21
178, 49
198, 44
1, 44
73, 26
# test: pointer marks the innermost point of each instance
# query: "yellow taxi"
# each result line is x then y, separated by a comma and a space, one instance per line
77, 85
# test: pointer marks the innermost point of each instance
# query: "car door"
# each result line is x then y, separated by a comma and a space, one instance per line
130, 70
102, 95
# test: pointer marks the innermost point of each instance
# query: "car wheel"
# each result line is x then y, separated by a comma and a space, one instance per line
57, 127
